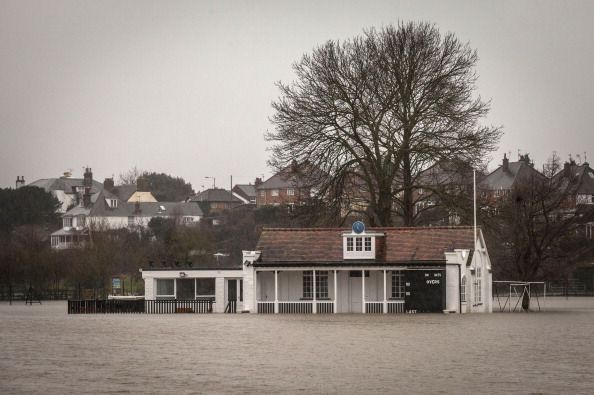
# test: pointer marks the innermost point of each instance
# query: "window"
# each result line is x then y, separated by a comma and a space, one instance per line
67, 222
397, 285
274, 192
478, 287
589, 231
463, 290
184, 289
368, 244
205, 288
321, 284
55, 241
358, 247
80, 221
262, 193
165, 289
130, 221
290, 192
113, 203
358, 244
308, 285
188, 220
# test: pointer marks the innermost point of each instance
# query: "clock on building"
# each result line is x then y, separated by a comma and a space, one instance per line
358, 227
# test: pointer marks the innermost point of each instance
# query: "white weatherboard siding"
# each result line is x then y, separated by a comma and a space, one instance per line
221, 277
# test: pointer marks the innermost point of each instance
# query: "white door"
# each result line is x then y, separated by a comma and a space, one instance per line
355, 294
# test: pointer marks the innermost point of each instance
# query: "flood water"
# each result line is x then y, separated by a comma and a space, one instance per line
45, 351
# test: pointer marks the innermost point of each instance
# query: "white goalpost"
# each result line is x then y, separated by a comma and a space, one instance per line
509, 295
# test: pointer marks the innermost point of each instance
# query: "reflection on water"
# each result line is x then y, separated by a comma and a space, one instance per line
43, 350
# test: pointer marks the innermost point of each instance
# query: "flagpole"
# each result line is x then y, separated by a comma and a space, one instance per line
474, 204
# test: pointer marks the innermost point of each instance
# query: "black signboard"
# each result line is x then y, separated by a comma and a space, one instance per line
424, 291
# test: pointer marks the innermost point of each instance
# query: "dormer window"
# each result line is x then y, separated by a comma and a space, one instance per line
358, 244
113, 203
67, 222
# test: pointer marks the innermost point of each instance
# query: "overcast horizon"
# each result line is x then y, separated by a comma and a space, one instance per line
185, 88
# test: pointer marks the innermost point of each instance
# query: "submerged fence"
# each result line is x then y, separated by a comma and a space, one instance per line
140, 306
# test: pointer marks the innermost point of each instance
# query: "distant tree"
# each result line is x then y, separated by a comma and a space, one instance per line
131, 176
533, 233
27, 206
375, 111
166, 188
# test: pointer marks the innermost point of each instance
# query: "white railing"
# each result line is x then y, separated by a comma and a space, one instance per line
301, 307
325, 307
265, 307
374, 307
395, 306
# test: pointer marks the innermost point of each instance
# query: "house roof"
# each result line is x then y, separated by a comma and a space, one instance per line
64, 184
124, 192
397, 245
245, 190
501, 179
215, 195
100, 208
582, 173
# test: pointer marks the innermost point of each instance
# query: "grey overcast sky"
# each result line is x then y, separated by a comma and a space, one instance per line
184, 87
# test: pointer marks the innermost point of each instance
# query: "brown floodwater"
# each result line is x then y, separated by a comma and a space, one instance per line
45, 351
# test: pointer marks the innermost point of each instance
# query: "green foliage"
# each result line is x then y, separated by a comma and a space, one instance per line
166, 188
27, 206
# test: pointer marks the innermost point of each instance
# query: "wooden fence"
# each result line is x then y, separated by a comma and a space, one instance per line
141, 306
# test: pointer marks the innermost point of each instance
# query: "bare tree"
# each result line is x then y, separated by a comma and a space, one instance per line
131, 176
376, 110
535, 231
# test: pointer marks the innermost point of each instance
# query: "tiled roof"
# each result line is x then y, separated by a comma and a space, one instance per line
517, 171
398, 244
215, 195
64, 184
582, 173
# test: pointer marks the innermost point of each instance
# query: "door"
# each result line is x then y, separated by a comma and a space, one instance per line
231, 296
355, 288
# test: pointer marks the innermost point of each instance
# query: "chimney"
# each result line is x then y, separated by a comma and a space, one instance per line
87, 198
142, 184
20, 181
567, 169
257, 182
88, 178
108, 184
505, 163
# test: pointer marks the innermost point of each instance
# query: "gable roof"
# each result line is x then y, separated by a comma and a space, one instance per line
583, 174
248, 191
517, 172
398, 245
215, 195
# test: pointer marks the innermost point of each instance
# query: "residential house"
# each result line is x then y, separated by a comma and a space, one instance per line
104, 210
215, 200
500, 182
284, 188
246, 192
578, 180
67, 189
